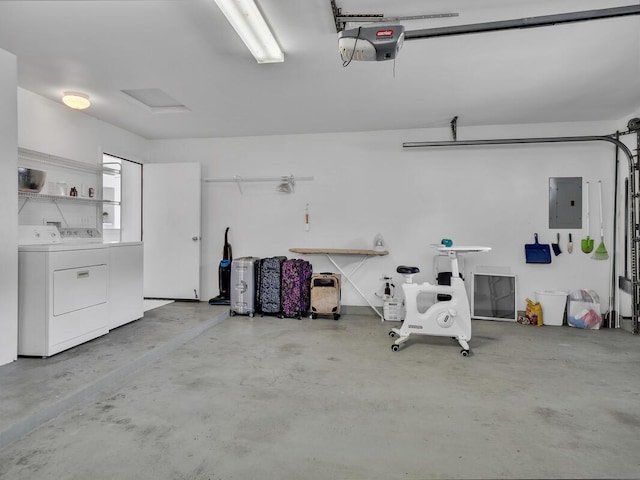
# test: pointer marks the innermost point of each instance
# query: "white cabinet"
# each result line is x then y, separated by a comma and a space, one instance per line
126, 301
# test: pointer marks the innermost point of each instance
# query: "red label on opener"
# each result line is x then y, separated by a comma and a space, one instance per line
384, 33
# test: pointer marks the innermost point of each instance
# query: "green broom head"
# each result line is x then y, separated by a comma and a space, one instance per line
600, 253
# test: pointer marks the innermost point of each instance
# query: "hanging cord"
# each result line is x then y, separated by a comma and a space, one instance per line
345, 63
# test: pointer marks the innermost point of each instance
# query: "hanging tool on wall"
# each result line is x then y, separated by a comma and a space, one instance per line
306, 218
537, 252
556, 246
587, 243
601, 252
570, 244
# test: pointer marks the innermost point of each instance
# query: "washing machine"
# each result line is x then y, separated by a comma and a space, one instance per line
63, 278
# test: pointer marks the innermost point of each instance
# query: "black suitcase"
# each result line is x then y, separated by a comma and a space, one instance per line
270, 285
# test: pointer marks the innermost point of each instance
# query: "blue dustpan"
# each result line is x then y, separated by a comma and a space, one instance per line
537, 252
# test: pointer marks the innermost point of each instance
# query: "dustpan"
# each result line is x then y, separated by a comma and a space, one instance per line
537, 252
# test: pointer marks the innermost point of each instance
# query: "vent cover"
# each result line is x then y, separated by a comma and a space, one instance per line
155, 100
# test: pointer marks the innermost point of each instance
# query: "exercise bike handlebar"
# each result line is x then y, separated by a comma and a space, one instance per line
427, 287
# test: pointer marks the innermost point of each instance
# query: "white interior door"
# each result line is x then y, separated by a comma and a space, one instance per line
171, 230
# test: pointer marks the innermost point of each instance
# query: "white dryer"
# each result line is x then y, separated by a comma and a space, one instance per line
62, 291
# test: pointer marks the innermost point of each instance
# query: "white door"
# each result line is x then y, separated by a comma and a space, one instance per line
171, 230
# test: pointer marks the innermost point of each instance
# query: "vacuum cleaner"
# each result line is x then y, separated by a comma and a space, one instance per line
224, 274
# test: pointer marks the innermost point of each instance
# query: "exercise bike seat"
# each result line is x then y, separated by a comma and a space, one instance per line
404, 270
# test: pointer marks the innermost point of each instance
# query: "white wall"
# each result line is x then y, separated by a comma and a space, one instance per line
9, 201
50, 127
36, 123
365, 184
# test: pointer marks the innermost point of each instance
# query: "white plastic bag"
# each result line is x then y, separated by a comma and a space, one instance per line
583, 310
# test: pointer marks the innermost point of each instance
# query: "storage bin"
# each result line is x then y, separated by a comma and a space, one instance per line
392, 311
553, 304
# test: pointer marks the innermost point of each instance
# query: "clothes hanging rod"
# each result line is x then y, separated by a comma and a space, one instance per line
238, 178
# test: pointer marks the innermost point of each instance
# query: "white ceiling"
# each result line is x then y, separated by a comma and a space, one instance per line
576, 72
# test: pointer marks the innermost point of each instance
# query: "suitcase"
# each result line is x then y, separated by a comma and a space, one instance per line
325, 295
244, 285
296, 288
270, 284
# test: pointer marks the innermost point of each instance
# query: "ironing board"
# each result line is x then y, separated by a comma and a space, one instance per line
331, 252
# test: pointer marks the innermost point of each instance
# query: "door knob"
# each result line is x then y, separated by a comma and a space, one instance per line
195, 239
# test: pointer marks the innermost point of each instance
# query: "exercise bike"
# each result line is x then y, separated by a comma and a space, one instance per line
447, 318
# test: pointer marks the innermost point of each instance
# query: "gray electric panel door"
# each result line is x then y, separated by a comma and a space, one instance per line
565, 202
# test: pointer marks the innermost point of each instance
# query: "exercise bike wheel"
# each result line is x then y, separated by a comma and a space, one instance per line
464, 353
395, 347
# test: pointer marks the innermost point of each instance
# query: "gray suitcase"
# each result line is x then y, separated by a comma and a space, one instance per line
244, 285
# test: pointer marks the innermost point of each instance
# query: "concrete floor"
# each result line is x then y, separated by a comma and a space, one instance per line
185, 393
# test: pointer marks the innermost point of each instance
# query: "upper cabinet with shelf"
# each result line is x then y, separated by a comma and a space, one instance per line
64, 174
63, 198
72, 194
27, 155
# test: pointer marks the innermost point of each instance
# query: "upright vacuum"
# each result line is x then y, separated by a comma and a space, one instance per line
224, 275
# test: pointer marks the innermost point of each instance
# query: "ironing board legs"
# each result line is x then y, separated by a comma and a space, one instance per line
345, 275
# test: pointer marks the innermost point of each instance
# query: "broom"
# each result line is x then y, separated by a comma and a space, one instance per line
601, 251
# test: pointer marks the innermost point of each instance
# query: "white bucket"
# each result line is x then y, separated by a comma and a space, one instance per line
553, 303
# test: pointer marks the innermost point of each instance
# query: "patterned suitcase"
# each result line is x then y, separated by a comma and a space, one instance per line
270, 284
244, 285
325, 295
296, 288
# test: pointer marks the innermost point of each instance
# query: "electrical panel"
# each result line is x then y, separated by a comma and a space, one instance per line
565, 202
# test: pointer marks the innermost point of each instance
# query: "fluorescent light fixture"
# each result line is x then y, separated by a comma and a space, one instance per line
76, 100
252, 28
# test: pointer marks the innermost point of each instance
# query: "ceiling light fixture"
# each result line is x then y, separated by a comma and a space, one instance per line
250, 25
76, 100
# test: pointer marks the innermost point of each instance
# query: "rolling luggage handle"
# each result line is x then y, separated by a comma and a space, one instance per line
241, 287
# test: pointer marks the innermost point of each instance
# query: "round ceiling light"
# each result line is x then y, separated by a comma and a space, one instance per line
76, 100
